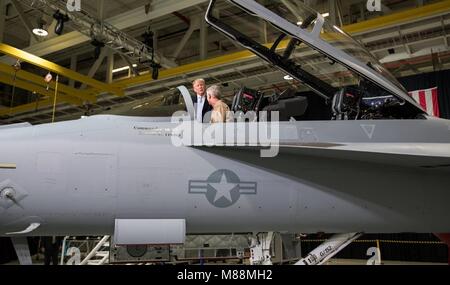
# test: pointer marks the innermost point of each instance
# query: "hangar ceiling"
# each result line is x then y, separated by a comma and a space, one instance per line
415, 40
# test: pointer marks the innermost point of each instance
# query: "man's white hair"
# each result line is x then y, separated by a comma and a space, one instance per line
214, 91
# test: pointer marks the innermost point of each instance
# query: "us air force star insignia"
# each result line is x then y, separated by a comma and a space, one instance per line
223, 188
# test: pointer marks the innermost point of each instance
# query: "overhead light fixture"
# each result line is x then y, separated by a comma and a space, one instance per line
41, 30
123, 68
288, 77
61, 19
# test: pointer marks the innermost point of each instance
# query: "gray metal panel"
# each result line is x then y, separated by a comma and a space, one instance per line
22, 250
337, 180
149, 231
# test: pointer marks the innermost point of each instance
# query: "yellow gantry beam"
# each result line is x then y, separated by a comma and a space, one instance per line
378, 23
27, 76
38, 89
197, 66
442, 7
28, 107
50, 66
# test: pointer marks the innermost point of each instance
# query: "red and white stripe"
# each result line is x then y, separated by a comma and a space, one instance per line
428, 100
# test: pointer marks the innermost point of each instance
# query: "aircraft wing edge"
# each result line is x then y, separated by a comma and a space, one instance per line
422, 155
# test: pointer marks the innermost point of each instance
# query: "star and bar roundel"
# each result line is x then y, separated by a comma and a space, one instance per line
223, 188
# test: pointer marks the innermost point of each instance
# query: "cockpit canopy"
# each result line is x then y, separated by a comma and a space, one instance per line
302, 43
351, 83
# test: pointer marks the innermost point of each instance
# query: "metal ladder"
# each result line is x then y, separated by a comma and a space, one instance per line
99, 254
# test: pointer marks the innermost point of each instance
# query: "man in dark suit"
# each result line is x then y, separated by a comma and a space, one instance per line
51, 246
201, 105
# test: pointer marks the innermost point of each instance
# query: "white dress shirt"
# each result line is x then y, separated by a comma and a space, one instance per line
200, 104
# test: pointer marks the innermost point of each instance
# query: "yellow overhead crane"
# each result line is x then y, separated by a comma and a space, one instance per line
431, 10
118, 87
27, 107
36, 88
34, 83
71, 93
50, 66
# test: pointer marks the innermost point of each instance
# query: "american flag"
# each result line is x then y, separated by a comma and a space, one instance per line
428, 100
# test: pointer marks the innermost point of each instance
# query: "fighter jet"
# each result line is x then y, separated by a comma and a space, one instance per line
371, 162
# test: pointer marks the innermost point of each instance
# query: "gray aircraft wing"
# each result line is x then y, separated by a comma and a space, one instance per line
420, 156
303, 145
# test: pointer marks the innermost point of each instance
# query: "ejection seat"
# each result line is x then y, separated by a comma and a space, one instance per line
287, 103
346, 104
246, 100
